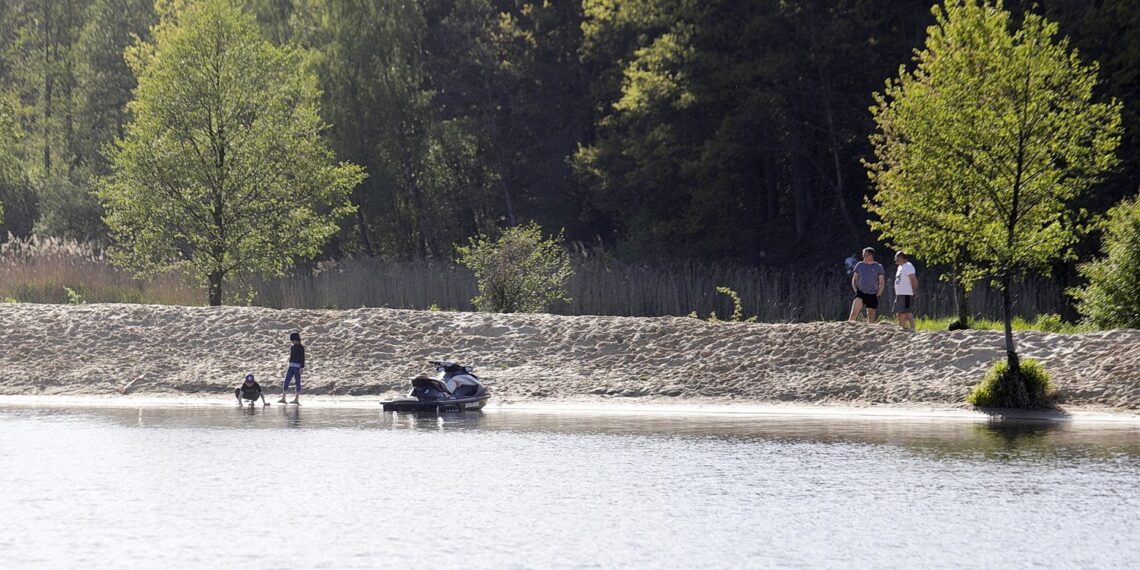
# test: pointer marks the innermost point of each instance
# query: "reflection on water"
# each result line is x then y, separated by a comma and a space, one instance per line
360, 488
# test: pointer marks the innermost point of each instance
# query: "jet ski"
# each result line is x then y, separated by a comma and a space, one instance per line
455, 388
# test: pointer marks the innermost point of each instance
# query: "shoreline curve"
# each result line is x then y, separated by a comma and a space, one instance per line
101, 349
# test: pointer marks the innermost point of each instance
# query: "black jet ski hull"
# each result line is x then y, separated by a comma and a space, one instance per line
456, 405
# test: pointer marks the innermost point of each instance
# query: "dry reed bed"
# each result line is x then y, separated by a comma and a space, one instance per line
95, 349
44, 270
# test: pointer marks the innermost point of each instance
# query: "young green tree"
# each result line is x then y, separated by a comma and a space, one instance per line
519, 272
984, 143
223, 169
1112, 297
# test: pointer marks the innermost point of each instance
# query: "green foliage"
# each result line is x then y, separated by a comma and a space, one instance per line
1112, 297
73, 297
223, 170
67, 208
11, 136
521, 271
426, 187
737, 309
1044, 323
1029, 388
981, 147
737, 306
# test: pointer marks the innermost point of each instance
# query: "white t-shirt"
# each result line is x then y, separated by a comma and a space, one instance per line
902, 279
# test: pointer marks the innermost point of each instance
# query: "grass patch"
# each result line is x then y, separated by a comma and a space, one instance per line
1044, 323
1031, 388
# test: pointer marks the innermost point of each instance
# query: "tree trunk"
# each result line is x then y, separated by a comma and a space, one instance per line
427, 237
1007, 315
961, 299
497, 144
800, 198
840, 187
215, 288
362, 224
48, 87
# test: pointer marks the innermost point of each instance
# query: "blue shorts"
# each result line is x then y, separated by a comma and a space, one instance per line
291, 373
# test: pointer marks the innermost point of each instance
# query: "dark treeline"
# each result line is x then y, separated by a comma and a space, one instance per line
661, 130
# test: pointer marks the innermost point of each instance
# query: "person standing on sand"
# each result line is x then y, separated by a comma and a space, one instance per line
296, 364
868, 281
906, 287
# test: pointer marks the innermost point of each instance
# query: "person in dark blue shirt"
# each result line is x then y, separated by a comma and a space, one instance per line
293, 372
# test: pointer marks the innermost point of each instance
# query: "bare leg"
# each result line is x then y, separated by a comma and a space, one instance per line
856, 308
870, 315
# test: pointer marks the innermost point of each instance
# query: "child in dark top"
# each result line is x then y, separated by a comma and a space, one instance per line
249, 390
296, 364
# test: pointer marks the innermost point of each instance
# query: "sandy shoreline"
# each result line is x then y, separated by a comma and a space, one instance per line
95, 350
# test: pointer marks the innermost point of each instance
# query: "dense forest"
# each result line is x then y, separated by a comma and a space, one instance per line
656, 130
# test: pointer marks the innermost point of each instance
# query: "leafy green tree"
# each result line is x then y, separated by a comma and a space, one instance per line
42, 64
105, 80
1112, 297
10, 138
982, 145
423, 191
510, 71
731, 130
521, 271
40, 69
223, 169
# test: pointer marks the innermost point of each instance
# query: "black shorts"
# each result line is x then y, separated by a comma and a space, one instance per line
247, 394
870, 300
904, 303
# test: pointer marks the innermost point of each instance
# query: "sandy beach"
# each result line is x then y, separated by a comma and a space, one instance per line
165, 351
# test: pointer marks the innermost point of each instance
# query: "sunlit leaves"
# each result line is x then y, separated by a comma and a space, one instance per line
223, 170
1112, 297
984, 144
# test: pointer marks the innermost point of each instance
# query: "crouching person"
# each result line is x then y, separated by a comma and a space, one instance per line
249, 390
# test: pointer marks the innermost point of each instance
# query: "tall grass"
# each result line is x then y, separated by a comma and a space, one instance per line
50, 270
606, 287
44, 270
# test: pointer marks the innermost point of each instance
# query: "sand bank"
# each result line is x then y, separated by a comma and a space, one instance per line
98, 349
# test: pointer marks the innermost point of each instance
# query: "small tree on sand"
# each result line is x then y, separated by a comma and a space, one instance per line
519, 272
223, 169
981, 147
1112, 296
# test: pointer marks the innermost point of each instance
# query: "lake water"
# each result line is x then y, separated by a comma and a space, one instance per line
219, 487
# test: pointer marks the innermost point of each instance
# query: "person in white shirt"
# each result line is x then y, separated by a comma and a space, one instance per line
906, 286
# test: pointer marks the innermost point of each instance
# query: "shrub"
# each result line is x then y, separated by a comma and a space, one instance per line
1049, 322
1030, 388
1112, 297
519, 272
73, 297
